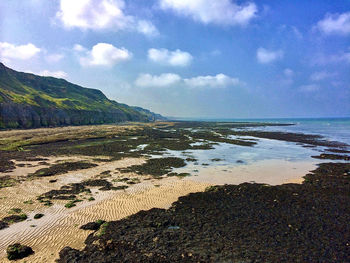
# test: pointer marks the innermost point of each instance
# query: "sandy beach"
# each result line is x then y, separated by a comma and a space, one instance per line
60, 226
73, 176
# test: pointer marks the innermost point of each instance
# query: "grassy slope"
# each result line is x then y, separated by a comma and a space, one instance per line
49, 92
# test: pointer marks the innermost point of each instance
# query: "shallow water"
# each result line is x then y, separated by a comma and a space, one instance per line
270, 161
331, 128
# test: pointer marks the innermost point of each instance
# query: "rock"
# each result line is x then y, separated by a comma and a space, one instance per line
3, 224
93, 225
18, 251
37, 216
235, 223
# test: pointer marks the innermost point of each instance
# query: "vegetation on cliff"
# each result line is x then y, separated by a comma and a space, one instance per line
29, 101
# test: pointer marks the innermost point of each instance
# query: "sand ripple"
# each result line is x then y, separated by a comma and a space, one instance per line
60, 226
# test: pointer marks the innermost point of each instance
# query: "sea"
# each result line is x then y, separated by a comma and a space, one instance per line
269, 161
331, 128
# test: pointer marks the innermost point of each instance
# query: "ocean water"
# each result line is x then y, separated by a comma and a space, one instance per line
331, 128
269, 161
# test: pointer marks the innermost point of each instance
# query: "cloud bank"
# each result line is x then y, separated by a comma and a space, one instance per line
103, 54
171, 79
219, 12
338, 24
171, 58
101, 15
21, 52
163, 80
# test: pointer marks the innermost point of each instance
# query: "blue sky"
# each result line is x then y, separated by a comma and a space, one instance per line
190, 58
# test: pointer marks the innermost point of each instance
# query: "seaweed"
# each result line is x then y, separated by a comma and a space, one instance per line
62, 168
235, 223
72, 203
93, 225
18, 251
7, 181
156, 166
38, 216
332, 157
14, 218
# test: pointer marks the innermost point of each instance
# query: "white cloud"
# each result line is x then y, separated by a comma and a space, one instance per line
335, 24
218, 81
54, 58
56, 74
79, 48
321, 75
321, 59
147, 28
48, 73
93, 14
163, 80
22, 52
220, 12
169, 79
309, 88
101, 15
265, 56
172, 58
103, 54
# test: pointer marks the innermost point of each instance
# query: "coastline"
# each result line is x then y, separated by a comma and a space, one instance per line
112, 172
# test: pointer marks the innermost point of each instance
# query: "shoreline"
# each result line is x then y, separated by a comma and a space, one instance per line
87, 174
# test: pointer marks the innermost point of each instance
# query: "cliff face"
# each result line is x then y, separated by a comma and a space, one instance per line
29, 101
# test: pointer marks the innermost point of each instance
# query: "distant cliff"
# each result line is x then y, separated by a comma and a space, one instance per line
30, 101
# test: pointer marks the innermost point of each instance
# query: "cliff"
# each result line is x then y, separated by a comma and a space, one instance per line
30, 101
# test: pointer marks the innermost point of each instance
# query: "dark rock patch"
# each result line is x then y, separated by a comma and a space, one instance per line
3, 224
62, 168
93, 225
332, 157
7, 181
106, 186
309, 139
156, 166
38, 216
14, 218
18, 251
66, 192
337, 150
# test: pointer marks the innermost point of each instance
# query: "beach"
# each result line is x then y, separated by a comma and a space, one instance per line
111, 168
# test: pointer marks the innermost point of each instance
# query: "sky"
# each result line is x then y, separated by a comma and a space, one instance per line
190, 58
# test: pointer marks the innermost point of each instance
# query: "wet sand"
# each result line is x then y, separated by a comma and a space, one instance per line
272, 172
60, 226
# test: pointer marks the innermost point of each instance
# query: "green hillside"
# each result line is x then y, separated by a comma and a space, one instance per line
28, 100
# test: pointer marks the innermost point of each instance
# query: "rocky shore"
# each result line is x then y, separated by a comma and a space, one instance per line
235, 223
